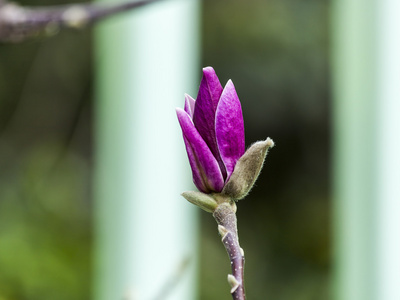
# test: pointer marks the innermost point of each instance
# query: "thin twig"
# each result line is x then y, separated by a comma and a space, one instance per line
18, 23
225, 215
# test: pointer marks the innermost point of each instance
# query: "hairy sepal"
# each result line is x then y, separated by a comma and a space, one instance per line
247, 170
202, 200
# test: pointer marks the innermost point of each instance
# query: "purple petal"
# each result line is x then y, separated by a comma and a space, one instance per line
210, 88
204, 114
189, 105
229, 128
206, 173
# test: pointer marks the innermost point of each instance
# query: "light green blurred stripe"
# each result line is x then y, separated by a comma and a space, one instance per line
144, 230
366, 76
388, 141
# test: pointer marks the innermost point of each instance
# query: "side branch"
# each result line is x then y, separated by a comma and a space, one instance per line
19, 23
225, 216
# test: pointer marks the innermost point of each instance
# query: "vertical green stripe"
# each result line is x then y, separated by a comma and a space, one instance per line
145, 231
366, 204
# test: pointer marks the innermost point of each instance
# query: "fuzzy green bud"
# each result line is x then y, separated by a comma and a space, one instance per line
202, 200
247, 170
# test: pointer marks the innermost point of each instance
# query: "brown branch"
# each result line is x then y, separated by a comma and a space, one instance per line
19, 23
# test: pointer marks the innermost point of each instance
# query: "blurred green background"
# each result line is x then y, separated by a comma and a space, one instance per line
276, 53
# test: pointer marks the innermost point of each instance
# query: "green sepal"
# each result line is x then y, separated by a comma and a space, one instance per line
247, 169
204, 201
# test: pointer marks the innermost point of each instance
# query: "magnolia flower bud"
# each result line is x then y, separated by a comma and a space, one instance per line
213, 132
247, 170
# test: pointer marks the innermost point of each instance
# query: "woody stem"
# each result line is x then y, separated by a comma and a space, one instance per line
225, 215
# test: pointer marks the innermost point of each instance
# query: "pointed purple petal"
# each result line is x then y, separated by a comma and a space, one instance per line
229, 128
210, 88
189, 105
198, 180
206, 173
204, 115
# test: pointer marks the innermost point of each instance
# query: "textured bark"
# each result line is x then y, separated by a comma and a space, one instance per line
225, 215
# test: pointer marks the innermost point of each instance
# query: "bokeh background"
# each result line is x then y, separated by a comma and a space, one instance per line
276, 53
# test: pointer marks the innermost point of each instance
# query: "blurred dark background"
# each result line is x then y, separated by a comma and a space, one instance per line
276, 53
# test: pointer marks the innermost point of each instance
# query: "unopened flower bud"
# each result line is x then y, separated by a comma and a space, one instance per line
213, 132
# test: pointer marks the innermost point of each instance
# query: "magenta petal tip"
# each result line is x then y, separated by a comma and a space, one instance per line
189, 105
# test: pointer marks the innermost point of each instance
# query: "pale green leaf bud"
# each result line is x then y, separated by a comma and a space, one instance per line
204, 201
247, 170
233, 283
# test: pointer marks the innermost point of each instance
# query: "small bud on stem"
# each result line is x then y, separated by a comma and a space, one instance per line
204, 201
233, 283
